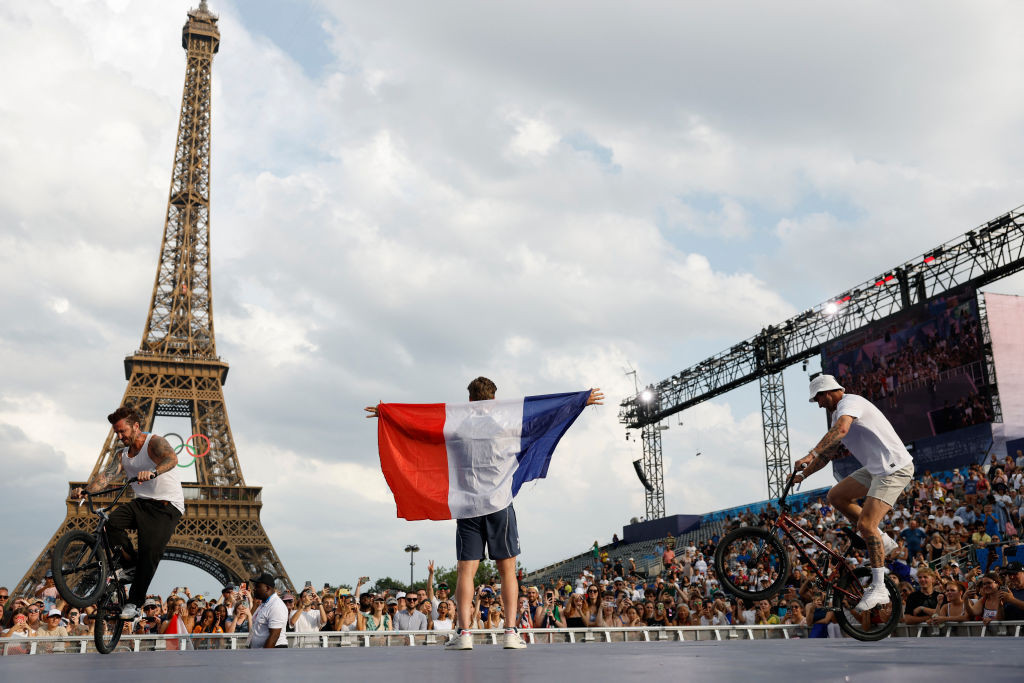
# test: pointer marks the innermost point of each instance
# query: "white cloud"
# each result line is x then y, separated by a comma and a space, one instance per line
532, 136
478, 189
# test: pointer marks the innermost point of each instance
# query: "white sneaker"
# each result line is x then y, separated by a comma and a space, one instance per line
514, 641
130, 611
459, 640
125, 575
888, 545
876, 594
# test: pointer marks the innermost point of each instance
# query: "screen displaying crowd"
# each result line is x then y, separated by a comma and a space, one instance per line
920, 368
939, 523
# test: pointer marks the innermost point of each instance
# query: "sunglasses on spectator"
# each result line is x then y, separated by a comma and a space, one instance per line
33, 610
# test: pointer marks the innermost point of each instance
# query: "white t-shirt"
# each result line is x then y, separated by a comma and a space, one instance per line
308, 621
871, 438
717, 620
271, 614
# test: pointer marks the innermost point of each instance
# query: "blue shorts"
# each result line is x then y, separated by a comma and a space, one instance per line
497, 531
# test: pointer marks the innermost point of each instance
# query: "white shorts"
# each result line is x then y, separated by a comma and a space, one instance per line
886, 487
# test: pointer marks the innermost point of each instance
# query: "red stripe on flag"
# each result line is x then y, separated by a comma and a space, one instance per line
413, 457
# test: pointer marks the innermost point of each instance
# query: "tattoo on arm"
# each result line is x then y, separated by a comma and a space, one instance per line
108, 475
161, 453
98, 483
829, 443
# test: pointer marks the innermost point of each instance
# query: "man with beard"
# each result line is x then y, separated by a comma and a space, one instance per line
158, 505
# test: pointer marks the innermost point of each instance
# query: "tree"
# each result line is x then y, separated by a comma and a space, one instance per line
387, 584
449, 575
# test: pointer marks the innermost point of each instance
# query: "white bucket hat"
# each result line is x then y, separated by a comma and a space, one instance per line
824, 383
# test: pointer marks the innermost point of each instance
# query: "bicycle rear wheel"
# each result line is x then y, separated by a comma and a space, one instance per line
751, 563
109, 625
79, 568
876, 623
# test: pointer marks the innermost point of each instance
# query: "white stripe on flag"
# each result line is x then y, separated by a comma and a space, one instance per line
482, 439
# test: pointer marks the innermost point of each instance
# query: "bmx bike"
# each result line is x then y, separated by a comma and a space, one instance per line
85, 572
747, 555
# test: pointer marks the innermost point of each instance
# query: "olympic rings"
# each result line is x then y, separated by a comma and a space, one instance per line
190, 446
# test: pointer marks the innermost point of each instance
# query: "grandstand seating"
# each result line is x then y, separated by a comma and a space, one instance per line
712, 524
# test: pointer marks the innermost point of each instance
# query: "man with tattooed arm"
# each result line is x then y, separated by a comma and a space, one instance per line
886, 469
158, 505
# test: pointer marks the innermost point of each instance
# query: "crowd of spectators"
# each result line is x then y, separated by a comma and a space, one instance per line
908, 358
938, 523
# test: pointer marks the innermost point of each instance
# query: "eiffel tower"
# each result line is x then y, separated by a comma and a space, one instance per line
176, 371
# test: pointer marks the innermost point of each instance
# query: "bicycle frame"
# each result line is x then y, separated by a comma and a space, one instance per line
837, 565
101, 532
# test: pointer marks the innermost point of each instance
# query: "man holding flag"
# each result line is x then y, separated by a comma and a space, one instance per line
466, 461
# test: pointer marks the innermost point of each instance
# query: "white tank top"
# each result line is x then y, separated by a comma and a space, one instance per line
163, 487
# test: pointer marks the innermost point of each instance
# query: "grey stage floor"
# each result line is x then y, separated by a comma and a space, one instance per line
971, 660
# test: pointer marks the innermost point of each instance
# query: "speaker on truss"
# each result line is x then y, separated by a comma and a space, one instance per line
640, 474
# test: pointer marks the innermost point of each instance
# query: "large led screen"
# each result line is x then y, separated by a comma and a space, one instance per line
924, 368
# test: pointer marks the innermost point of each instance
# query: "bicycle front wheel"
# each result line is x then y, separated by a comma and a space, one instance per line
79, 568
108, 625
751, 563
874, 624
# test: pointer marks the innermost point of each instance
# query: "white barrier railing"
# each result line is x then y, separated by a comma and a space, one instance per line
234, 641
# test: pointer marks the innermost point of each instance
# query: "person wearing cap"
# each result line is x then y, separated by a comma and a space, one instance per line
1012, 594
52, 628
47, 590
886, 469
437, 596
229, 594
150, 616
377, 619
270, 618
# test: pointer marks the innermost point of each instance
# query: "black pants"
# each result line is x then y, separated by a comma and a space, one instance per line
155, 521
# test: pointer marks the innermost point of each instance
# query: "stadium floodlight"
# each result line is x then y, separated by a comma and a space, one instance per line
830, 309
646, 395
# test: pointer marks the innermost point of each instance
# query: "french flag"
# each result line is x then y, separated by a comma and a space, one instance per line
462, 460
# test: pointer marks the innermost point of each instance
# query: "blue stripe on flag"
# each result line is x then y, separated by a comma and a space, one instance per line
545, 420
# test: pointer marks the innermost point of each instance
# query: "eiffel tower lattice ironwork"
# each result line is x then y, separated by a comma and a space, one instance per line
176, 371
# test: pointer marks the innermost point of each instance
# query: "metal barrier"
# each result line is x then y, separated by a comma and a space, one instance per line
234, 641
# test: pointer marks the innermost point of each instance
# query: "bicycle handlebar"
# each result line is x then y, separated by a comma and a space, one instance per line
122, 487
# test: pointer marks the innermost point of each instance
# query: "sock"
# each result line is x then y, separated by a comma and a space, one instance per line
877, 576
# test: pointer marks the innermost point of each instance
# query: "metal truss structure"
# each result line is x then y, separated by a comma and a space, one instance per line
988, 253
176, 371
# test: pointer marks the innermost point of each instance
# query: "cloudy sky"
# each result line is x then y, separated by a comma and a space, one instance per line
407, 195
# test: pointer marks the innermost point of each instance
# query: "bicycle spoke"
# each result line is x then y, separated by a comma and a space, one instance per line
751, 563
872, 624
